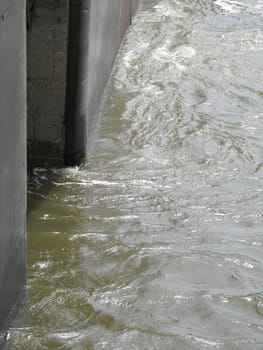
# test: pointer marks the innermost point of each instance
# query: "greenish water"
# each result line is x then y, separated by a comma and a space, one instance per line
156, 242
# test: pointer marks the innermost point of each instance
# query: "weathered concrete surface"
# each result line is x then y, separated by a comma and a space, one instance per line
12, 154
46, 67
98, 27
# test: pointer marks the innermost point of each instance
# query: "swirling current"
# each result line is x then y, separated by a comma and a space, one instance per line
156, 241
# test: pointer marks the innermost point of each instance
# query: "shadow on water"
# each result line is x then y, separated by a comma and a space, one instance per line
3, 338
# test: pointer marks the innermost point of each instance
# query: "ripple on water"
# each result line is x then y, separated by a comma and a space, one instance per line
156, 242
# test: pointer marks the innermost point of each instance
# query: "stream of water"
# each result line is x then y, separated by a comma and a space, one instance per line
156, 241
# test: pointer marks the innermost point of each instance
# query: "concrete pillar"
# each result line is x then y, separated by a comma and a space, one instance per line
12, 154
98, 27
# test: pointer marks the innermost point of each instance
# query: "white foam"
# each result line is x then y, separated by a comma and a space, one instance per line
237, 7
229, 6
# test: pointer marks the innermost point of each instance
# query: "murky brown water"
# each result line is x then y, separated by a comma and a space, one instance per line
156, 243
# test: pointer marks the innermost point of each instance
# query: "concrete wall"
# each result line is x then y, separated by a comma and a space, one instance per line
12, 153
99, 27
46, 67
71, 49
103, 24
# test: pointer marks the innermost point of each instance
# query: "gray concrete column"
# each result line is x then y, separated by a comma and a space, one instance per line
12, 154
98, 27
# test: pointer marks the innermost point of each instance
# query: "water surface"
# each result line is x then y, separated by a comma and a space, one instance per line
156, 242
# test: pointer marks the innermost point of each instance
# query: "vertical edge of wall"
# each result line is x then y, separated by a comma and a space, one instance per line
96, 30
76, 64
46, 77
12, 156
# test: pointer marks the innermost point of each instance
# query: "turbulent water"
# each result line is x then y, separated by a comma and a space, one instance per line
156, 242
